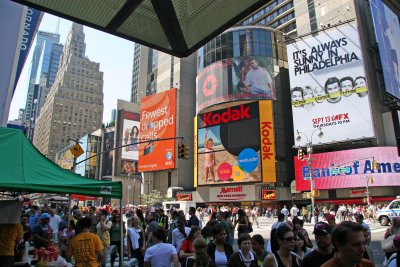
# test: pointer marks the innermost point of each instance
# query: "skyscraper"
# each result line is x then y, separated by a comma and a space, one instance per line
44, 66
74, 105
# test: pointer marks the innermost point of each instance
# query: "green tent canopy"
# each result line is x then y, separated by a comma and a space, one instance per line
24, 169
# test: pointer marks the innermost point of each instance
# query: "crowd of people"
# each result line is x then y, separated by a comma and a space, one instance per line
154, 237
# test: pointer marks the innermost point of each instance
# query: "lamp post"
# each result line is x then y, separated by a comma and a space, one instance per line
309, 146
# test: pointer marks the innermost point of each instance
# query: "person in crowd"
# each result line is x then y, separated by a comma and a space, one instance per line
186, 249
300, 248
221, 219
162, 219
10, 237
213, 219
218, 250
66, 235
298, 226
152, 227
92, 216
332, 88
243, 223
180, 234
394, 228
244, 257
193, 220
360, 220
348, 239
316, 213
257, 244
273, 243
103, 231
42, 232
285, 212
207, 233
393, 258
24, 222
34, 215
55, 220
115, 237
304, 213
136, 241
368, 251
231, 234
294, 211
330, 219
86, 247
324, 251
201, 258
173, 225
283, 257
142, 221
254, 216
160, 254
200, 215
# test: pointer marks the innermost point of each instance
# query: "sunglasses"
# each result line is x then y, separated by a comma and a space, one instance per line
290, 239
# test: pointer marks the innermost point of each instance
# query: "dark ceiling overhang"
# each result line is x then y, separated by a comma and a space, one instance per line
176, 27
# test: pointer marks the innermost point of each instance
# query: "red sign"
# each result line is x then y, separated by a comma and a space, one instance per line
358, 193
184, 197
349, 169
82, 198
267, 194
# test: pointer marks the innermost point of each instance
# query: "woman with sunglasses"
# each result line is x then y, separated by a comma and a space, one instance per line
283, 257
301, 250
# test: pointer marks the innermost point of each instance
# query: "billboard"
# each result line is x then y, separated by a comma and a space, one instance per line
235, 79
349, 169
130, 167
387, 31
233, 193
158, 121
130, 135
107, 165
226, 153
328, 86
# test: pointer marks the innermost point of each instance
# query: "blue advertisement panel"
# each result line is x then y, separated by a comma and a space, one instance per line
387, 31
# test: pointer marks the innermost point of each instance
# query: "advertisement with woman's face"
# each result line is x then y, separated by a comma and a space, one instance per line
235, 79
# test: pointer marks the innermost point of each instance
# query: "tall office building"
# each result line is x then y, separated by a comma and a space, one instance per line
74, 105
44, 66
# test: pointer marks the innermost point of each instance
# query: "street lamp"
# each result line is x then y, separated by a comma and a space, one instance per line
309, 145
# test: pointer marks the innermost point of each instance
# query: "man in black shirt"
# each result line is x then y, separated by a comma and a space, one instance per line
193, 221
324, 250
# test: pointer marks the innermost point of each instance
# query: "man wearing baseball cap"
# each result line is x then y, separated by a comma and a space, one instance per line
324, 250
41, 232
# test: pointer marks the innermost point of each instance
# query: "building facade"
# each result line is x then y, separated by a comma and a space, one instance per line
74, 105
44, 66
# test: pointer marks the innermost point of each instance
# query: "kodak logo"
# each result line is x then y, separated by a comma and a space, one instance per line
231, 114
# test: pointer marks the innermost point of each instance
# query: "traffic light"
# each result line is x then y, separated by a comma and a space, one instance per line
181, 151
300, 154
371, 180
316, 193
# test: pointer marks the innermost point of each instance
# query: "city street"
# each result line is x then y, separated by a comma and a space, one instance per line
377, 232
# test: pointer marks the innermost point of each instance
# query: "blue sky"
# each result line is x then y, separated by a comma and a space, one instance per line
114, 54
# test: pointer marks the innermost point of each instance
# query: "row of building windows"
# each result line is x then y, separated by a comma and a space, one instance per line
267, 9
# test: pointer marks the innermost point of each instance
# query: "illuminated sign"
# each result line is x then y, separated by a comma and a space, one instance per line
184, 196
267, 141
232, 193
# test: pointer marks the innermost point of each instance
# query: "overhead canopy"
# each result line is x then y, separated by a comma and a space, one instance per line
24, 169
177, 27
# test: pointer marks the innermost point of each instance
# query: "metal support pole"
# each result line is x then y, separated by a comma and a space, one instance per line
368, 178
309, 161
121, 226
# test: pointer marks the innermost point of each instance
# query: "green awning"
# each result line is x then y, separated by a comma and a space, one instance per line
24, 169
177, 27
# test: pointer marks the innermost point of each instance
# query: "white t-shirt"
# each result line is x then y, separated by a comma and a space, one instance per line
160, 255
54, 222
259, 79
220, 259
294, 211
177, 238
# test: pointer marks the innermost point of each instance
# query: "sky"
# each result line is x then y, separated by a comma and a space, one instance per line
114, 54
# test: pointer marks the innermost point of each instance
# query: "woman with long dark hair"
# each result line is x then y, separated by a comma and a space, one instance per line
115, 237
243, 223
301, 250
283, 257
187, 244
218, 250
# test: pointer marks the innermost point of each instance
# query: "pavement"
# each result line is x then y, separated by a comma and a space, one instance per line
264, 227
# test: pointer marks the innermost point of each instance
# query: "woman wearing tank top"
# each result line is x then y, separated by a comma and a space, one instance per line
283, 257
